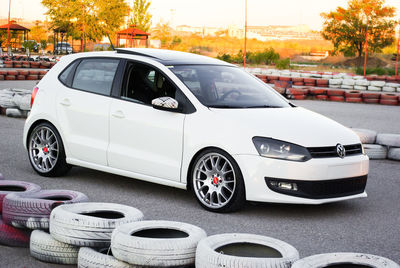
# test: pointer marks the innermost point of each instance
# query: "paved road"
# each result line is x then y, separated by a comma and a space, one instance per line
370, 225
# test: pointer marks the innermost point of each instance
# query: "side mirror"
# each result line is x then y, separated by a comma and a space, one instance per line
166, 104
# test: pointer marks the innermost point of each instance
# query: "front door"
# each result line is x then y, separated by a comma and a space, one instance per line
144, 140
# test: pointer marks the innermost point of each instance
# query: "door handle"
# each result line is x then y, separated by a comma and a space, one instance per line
118, 114
65, 102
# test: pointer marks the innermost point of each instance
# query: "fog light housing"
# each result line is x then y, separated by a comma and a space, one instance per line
282, 185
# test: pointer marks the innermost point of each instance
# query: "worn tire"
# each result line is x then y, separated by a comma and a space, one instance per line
90, 224
162, 249
8, 187
331, 259
99, 258
375, 151
207, 255
13, 237
45, 248
32, 210
394, 153
366, 136
388, 139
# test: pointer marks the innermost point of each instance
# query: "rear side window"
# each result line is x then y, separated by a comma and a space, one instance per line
95, 75
65, 76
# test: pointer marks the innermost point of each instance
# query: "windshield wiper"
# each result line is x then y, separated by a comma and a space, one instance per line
224, 106
264, 106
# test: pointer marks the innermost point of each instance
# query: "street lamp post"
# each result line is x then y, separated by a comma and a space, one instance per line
245, 34
8, 27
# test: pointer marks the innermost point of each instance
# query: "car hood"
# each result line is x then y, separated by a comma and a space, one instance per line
296, 125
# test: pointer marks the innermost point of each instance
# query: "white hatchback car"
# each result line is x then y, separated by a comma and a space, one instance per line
192, 122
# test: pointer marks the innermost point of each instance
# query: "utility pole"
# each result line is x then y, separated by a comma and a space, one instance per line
245, 34
83, 28
397, 57
366, 46
8, 27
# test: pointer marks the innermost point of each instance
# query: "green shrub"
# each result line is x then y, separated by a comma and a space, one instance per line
282, 64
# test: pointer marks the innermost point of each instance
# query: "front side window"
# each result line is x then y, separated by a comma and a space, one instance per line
144, 84
95, 75
227, 87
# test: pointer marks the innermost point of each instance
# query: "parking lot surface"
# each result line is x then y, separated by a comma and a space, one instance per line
369, 225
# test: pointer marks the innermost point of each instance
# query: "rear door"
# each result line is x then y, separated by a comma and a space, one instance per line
83, 108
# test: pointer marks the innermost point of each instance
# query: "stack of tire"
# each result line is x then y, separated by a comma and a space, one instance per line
272, 79
310, 82
297, 93
371, 97
336, 95
322, 82
379, 146
298, 81
22, 74
318, 93
389, 99
353, 96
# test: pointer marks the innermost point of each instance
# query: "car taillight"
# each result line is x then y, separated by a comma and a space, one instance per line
34, 92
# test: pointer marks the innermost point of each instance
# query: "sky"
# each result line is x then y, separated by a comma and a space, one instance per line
217, 13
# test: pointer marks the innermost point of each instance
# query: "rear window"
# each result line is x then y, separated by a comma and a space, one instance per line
65, 75
95, 75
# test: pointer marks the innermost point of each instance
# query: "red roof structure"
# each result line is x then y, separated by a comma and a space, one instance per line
133, 36
14, 26
16, 40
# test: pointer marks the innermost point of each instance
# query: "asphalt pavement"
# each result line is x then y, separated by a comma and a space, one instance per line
369, 225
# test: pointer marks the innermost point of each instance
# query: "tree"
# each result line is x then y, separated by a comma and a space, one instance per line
101, 17
346, 27
141, 17
163, 32
38, 32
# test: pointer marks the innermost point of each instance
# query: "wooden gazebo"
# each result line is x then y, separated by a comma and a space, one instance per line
15, 29
133, 36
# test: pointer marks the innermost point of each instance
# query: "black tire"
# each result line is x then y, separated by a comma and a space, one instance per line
32, 210
13, 237
60, 166
238, 197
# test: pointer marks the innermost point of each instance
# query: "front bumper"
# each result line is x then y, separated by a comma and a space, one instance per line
325, 177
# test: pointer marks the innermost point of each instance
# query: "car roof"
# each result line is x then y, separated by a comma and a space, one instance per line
171, 57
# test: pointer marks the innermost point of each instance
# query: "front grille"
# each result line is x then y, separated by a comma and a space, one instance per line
321, 189
330, 151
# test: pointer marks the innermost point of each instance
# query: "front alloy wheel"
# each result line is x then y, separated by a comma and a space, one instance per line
217, 181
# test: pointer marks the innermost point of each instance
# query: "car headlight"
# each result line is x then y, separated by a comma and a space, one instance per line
272, 148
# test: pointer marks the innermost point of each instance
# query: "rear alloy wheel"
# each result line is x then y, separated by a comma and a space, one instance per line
46, 151
217, 181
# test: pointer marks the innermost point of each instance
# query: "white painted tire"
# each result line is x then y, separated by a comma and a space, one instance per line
45, 248
99, 258
388, 139
389, 89
169, 244
375, 151
366, 136
360, 87
378, 83
208, 257
13, 112
374, 88
90, 224
394, 153
325, 260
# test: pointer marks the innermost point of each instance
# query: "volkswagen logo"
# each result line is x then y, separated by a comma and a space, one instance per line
341, 151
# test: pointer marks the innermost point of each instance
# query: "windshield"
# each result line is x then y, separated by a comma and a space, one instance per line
227, 87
